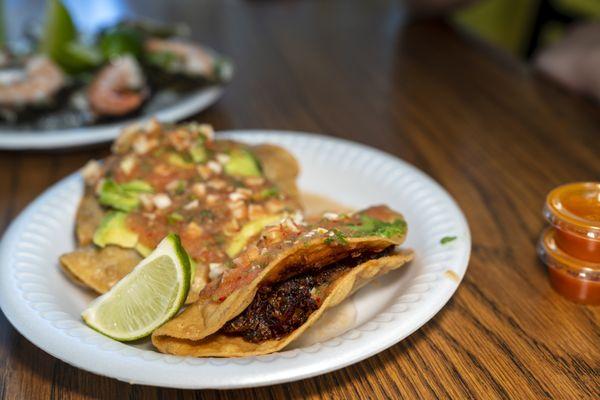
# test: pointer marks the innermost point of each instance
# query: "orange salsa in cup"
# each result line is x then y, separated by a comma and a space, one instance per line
570, 247
576, 280
574, 211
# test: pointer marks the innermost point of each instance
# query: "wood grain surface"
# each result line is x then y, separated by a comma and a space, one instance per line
494, 134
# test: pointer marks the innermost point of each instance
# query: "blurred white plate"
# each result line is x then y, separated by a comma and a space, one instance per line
74, 137
44, 305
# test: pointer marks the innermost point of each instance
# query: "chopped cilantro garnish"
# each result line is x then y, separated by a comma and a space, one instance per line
373, 227
447, 239
206, 214
269, 192
337, 236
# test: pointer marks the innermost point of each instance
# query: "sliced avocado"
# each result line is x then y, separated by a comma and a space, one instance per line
178, 160
174, 218
248, 231
112, 195
242, 163
143, 250
124, 197
199, 153
112, 230
137, 186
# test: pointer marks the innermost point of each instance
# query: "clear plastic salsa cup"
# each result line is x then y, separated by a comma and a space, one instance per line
574, 212
570, 247
577, 280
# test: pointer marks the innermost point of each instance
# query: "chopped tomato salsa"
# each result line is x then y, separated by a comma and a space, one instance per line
178, 179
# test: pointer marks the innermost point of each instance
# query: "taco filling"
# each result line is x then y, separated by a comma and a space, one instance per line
279, 309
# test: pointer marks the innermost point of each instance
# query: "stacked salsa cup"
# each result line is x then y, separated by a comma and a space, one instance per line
570, 245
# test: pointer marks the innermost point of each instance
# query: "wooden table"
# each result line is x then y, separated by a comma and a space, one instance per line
482, 124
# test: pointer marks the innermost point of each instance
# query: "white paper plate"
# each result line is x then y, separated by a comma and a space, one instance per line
87, 135
44, 305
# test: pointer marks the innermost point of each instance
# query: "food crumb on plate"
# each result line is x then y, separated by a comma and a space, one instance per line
451, 275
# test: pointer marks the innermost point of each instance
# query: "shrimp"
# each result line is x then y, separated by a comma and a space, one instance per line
36, 83
118, 89
187, 58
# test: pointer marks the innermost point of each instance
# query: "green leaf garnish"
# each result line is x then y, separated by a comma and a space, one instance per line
447, 239
374, 227
120, 40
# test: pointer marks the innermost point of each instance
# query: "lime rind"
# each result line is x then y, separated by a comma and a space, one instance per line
168, 251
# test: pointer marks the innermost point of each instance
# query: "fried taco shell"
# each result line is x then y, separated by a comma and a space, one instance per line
88, 218
252, 312
279, 167
99, 269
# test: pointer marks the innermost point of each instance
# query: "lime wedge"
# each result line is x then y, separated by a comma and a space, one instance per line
147, 297
59, 29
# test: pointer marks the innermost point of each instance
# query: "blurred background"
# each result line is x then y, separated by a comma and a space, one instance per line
561, 38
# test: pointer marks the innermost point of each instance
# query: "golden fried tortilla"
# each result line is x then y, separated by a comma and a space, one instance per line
99, 269
226, 345
89, 215
196, 330
279, 167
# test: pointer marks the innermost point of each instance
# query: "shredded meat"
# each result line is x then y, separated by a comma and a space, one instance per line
281, 308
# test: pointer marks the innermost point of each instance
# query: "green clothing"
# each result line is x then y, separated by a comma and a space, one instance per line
509, 23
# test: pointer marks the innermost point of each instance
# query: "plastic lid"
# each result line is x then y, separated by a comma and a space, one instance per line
575, 207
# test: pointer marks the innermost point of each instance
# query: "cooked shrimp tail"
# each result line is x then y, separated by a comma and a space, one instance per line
179, 57
118, 89
33, 84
